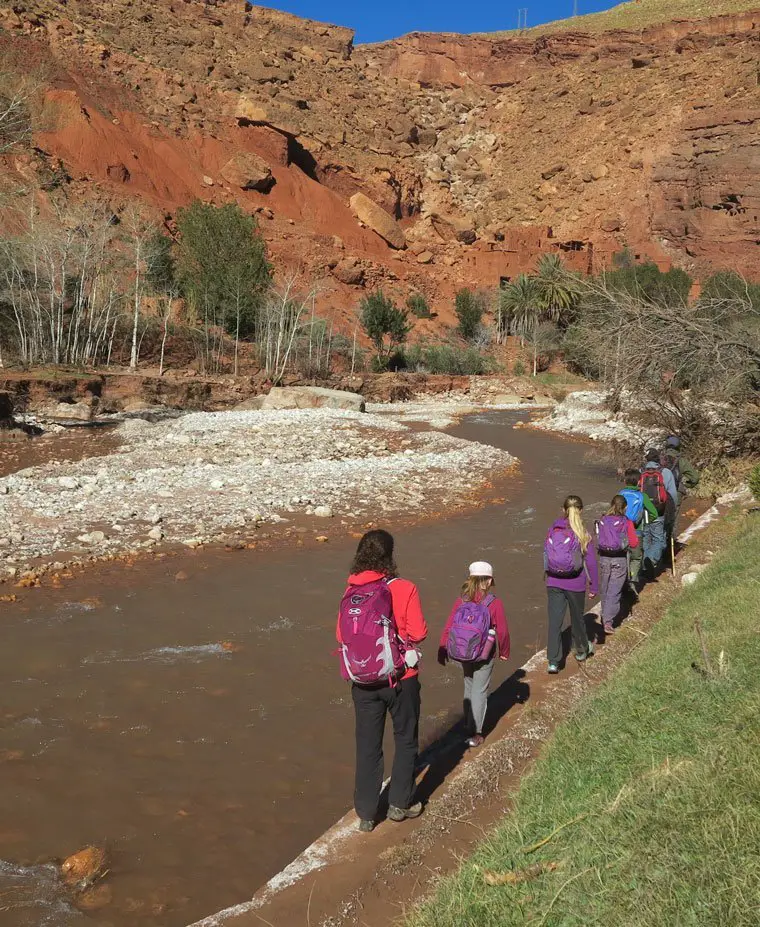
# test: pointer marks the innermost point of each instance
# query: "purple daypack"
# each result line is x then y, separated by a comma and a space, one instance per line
371, 653
468, 635
563, 555
612, 535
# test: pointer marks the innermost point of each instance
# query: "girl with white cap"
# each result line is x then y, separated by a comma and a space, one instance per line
474, 634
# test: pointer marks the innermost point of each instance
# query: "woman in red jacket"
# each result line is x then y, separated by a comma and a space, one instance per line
374, 561
477, 673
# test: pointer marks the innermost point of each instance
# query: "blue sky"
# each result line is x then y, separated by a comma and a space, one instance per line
375, 20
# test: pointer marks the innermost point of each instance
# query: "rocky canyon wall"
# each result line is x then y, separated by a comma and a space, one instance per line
475, 154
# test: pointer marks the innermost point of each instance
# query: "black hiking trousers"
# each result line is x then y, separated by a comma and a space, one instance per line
559, 601
371, 707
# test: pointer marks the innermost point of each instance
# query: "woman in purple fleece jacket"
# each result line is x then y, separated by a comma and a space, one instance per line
570, 590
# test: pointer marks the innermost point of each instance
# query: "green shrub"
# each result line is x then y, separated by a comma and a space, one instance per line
754, 482
448, 359
469, 308
519, 369
418, 306
222, 266
385, 325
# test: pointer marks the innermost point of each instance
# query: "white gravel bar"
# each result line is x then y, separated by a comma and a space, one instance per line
213, 477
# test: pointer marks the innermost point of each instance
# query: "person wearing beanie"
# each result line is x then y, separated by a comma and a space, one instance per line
475, 634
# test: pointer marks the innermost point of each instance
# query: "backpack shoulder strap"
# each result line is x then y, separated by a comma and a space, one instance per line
488, 600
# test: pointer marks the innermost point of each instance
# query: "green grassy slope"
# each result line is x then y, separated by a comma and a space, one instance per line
639, 14
663, 764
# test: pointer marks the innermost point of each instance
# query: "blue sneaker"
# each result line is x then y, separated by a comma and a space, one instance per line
553, 668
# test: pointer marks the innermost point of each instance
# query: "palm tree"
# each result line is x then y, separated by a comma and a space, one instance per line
556, 289
521, 311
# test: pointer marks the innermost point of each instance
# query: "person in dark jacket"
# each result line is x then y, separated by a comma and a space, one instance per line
570, 591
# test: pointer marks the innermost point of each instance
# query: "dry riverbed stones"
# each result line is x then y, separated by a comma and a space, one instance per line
217, 477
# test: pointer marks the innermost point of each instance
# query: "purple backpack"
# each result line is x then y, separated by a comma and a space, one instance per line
371, 653
612, 535
563, 555
468, 635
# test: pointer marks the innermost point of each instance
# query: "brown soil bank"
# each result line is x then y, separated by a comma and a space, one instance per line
85, 396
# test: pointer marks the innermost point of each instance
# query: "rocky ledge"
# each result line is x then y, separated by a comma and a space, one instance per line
227, 477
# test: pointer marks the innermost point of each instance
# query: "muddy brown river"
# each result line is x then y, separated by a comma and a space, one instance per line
125, 720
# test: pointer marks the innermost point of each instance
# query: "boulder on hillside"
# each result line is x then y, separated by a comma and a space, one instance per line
249, 172
312, 397
454, 228
349, 271
249, 111
376, 218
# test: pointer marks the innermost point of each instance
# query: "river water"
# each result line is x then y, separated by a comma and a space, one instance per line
190, 715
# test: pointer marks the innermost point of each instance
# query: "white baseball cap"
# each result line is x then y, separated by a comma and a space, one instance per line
481, 568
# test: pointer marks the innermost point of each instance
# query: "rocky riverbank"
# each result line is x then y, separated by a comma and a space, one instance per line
229, 477
585, 413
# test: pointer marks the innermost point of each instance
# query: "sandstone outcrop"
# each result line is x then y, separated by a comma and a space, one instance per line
249, 172
377, 219
312, 397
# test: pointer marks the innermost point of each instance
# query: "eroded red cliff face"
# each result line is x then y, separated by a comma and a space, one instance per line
487, 152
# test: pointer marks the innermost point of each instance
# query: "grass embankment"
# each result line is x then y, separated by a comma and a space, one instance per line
649, 792
638, 15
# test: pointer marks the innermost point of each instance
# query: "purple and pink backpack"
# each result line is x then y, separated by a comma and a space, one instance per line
468, 635
371, 653
612, 535
563, 554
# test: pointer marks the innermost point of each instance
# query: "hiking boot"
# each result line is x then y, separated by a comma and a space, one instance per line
580, 657
366, 827
553, 668
401, 814
476, 740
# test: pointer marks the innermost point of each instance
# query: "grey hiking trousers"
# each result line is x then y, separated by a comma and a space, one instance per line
477, 683
613, 573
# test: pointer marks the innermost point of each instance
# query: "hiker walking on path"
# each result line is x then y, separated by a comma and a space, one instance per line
570, 567
380, 624
640, 510
615, 536
685, 475
475, 634
658, 483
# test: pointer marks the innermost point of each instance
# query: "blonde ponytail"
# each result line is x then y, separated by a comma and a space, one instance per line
573, 508
473, 585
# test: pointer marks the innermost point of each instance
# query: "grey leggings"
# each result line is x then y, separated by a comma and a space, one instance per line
477, 682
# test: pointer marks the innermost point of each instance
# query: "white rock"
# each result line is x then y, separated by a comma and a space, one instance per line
93, 537
68, 482
156, 534
688, 579
323, 511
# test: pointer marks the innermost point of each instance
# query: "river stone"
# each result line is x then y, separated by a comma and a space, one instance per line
312, 397
323, 511
94, 537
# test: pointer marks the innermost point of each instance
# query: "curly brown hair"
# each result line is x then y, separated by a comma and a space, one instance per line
375, 552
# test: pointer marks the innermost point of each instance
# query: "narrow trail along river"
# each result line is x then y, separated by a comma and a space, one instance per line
126, 721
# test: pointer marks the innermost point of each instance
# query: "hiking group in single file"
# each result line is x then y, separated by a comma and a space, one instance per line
381, 625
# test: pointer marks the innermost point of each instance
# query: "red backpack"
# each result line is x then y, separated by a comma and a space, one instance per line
652, 483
